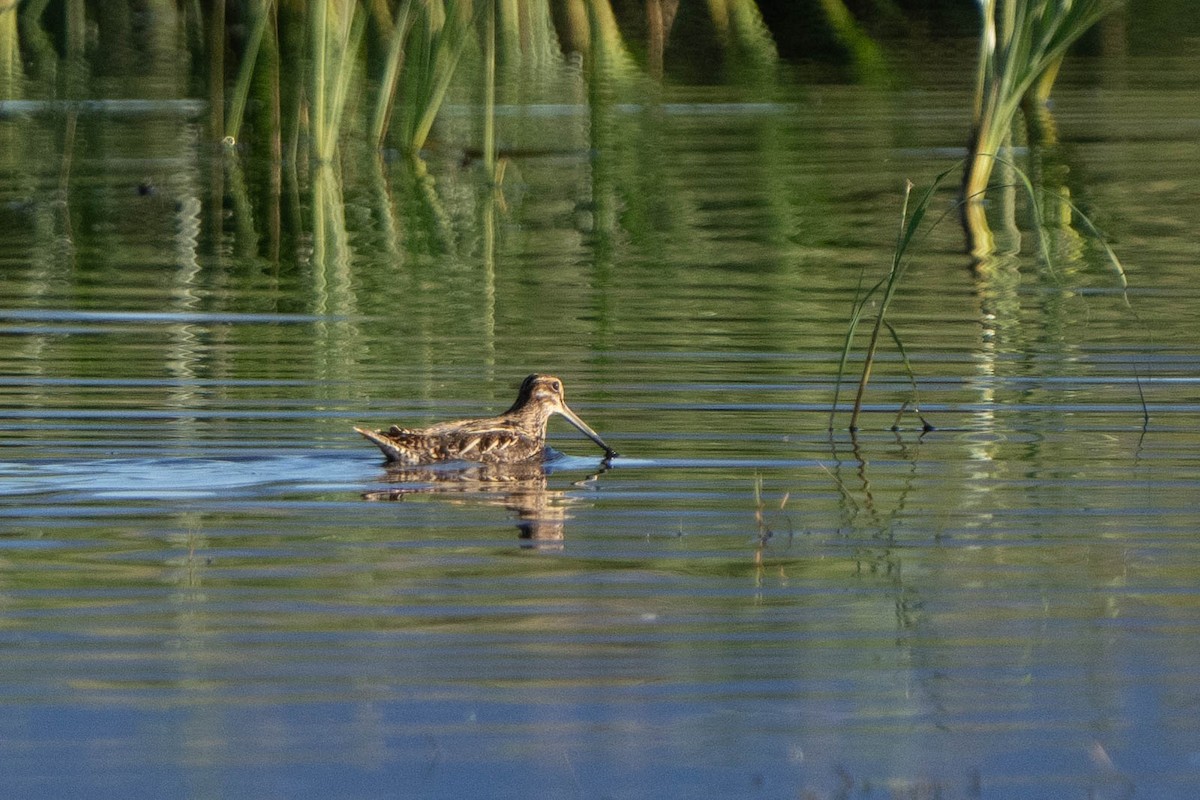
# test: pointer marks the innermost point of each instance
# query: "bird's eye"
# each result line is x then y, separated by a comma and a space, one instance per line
556, 386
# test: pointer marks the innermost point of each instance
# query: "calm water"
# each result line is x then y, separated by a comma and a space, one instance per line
210, 587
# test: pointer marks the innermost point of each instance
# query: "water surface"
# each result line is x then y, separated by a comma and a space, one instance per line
210, 586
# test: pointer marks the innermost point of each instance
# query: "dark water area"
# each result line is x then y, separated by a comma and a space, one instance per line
210, 586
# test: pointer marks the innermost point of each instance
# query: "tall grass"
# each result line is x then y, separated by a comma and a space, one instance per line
740, 26
10, 78
489, 98
10, 52
319, 66
392, 66
883, 292
1021, 46
263, 12
441, 31
865, 54
337, 31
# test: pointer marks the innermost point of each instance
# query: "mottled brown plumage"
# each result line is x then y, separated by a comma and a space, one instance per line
517, 435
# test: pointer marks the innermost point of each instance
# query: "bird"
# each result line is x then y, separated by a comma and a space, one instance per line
518, 435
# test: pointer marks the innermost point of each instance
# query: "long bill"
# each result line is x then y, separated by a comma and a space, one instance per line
574, 419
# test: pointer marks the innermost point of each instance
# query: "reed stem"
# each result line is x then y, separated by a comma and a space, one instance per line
385, 101
241, 86
489, 93
889, 291
1021, 46
320, 35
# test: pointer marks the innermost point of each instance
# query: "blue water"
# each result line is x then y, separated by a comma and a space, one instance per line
210, 586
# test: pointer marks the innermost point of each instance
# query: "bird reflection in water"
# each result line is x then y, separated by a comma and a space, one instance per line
521, 488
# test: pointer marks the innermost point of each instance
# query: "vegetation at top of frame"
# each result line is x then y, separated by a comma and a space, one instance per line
293, 78
1022, 44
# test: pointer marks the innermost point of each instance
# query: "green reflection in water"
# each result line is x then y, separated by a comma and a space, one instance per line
187, 546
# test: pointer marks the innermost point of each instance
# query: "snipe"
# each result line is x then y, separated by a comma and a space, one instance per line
517, 435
